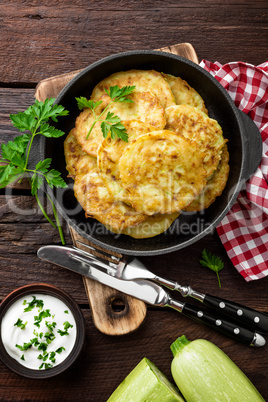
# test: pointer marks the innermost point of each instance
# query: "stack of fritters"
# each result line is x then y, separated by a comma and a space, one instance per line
175, 160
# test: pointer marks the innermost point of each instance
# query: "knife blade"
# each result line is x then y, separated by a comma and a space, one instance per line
147, 291
72, 259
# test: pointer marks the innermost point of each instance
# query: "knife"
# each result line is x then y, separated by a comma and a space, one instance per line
147, 291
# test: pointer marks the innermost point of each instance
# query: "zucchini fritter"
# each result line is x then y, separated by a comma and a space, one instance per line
198, 127
73, 152
215, 185
111, 150
144, 81
184, 94
144, 107
162, 172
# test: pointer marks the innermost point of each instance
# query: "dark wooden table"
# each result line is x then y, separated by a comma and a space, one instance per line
43, 39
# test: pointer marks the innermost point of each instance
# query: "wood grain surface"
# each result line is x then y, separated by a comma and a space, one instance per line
44, 39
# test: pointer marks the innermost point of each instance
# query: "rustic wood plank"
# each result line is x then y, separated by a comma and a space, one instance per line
12, 101
39, 40
103, 299
55, 40
51, 87
106, 361
21, 237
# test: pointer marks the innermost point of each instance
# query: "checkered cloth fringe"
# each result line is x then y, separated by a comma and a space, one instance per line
244, 230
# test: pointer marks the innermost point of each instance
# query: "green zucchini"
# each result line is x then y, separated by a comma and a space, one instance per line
204, 373
146, 383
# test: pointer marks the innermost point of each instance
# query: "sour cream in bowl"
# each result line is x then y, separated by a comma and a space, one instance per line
42, 331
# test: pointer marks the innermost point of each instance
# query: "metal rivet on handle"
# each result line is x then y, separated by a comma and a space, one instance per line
222, 304
200, 314
218, 323
236, 331
239, 312
256, 319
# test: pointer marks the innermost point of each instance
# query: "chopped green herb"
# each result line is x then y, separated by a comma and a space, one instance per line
42, 346
52, 357
61, 349
212, 262
39, 318
26, 346
51, 326
22, 357
66, 326
20, 324
66, 311
35, 333
49, 337
44, 356
62, 333
35, 341
46, 365
34, 303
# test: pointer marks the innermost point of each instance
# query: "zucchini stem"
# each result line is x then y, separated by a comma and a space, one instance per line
179, 344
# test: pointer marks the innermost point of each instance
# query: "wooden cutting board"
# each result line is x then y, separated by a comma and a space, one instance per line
113, 312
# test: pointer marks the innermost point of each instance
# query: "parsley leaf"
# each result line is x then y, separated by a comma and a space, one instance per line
42, 346
60, 349
34, 303
54, 178
120, 94
15, 154
20, 324
212, 262
26, 346
39, 318
112, 123
46, 366
66, 326
84, 102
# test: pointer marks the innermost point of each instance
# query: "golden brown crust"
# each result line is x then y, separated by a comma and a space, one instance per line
162, 172
184, 94
144, 81
73, 152
94, 197
215, 185
198, 127
144, 107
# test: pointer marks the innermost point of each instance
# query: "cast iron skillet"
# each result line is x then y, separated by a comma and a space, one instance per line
245, 148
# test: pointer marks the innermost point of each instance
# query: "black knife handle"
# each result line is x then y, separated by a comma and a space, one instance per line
222, 325
244, 315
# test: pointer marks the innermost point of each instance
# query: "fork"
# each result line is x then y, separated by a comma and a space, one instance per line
133, 269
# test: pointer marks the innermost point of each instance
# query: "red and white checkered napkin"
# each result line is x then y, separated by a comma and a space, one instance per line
244, 231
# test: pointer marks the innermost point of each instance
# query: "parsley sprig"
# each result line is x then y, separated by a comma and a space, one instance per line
15, 154
112, 122
212, 262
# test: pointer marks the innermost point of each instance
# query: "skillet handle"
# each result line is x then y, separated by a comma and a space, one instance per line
254, 142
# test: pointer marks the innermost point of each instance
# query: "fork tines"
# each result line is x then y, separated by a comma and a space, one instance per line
97, 252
